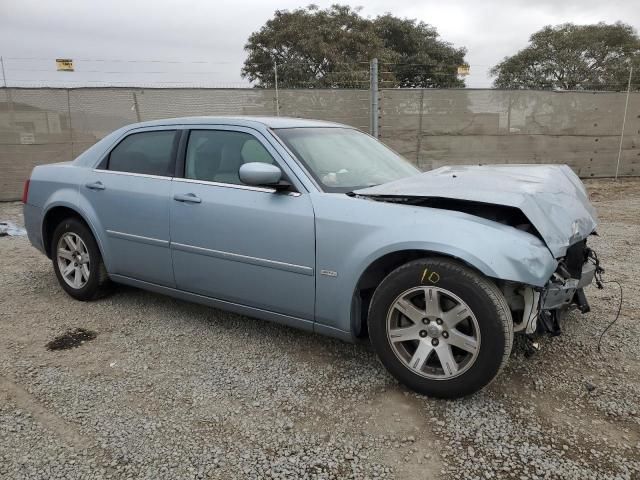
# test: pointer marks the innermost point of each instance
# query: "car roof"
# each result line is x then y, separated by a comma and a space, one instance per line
247, 121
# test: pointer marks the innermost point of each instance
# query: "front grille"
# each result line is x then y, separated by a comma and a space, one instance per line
575, 258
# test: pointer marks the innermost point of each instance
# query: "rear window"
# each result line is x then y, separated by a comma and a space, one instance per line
149, 153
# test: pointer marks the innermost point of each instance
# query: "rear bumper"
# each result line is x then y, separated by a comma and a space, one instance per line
33, 225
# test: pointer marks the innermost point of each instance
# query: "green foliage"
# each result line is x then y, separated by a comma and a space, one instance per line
332, 48
418, 57
574, 57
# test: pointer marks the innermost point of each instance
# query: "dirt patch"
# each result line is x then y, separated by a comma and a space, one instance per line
71, 339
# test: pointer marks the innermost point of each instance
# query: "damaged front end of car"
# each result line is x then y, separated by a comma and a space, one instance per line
548, 202
541, 309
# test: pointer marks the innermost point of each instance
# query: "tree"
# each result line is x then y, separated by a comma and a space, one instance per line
573, 57
418, 57
332, 48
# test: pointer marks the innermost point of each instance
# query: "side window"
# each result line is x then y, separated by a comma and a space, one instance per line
150, 153
216, 155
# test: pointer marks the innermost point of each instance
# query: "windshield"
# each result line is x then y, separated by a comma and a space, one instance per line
344, 159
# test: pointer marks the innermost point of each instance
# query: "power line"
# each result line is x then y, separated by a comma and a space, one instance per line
212, 62
391, 76
123, 71
48, 59
132, 83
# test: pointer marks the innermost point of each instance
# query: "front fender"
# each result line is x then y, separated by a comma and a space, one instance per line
506, 257
351, 236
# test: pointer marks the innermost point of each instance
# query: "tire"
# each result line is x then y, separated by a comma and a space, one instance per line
83, 251
448, 357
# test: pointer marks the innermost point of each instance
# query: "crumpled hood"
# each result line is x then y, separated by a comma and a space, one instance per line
552, 197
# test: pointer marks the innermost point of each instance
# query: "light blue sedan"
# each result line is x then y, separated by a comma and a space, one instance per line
319, 226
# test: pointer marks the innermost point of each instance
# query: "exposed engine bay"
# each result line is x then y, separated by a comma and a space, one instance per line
506, 215
549, 201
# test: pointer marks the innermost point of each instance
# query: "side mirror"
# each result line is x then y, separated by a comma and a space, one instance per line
260, 174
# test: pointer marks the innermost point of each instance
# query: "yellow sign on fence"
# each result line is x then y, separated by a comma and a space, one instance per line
464, 70
64, 64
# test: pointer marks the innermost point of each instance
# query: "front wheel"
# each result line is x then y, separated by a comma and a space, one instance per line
440, 328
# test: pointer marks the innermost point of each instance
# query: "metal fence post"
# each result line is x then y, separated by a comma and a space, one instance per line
419, 139
136, 106
509, 113
624, 120
275, 73
4, 77
373, 93
12, 119
70, 122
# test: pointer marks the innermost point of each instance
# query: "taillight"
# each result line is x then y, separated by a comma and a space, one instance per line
25, 191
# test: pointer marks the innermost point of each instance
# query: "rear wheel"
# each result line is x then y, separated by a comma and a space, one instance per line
77, 261
440, 328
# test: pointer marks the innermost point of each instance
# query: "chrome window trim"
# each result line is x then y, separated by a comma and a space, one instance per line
191, 180
131, 174
236, 257
232, 185
138, 238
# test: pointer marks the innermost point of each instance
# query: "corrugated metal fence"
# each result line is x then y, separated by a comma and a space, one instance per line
429, 127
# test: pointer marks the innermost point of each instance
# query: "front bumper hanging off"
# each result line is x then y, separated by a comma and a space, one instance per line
561, 293
545, 306
565, 289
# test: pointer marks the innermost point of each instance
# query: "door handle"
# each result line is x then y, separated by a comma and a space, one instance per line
95, 186
187, 197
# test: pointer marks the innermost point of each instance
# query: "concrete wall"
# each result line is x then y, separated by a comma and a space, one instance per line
429, 127
444, 127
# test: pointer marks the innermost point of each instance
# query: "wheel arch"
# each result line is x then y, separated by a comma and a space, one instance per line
52, 218
378, 269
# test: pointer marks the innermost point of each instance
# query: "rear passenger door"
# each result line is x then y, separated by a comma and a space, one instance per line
129, 192
239, 243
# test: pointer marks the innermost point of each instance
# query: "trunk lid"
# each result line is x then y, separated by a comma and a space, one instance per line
552, 197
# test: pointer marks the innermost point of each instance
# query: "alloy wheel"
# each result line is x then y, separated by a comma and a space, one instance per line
433, 332
73, 260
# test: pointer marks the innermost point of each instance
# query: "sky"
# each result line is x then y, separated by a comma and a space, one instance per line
201, 43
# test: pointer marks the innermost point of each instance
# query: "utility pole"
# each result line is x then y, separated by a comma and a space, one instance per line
70, 122
4, 77
624, 120
419, 139
12, 117
136, 107
275, 72
373, 92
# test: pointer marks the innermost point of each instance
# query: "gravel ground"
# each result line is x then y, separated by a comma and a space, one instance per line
169, 389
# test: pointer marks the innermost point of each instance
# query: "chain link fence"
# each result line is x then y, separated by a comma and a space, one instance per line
430, 127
